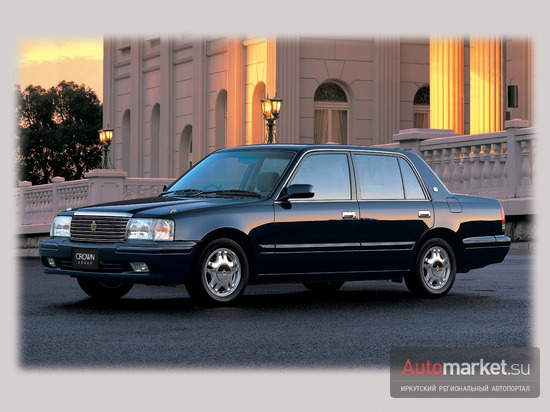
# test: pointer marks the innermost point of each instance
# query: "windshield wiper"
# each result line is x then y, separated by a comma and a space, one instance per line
231, 193
183, 192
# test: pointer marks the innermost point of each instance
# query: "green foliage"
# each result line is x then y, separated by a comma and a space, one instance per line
58, 132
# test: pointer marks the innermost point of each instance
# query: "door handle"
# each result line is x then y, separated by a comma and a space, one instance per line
424, 213
349, 215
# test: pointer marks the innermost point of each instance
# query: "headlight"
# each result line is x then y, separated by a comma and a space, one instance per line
151, 229
61, 226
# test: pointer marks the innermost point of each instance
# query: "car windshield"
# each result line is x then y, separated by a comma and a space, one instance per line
246, 173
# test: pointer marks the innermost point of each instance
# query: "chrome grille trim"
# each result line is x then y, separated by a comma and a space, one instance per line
108, 227
110, 214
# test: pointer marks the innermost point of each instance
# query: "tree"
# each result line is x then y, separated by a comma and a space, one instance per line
58, 132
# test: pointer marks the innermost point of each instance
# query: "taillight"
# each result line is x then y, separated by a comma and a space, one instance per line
503, 219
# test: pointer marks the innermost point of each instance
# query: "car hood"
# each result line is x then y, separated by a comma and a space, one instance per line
163, 206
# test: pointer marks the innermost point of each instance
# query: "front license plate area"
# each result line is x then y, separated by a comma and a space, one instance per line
85, 259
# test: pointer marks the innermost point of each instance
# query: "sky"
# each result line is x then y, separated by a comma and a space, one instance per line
47, 61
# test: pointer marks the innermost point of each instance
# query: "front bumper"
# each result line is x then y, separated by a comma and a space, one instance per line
168, 262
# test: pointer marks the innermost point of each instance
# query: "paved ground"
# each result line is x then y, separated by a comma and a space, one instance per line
276, 326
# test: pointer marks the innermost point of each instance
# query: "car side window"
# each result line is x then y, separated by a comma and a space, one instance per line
379, 177
413, 188
329, 175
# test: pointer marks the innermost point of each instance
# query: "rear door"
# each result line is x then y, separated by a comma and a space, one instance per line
395, 210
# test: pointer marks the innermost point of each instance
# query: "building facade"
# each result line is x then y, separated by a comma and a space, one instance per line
171, 101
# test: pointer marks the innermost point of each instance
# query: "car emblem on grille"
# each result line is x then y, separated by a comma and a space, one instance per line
93, 226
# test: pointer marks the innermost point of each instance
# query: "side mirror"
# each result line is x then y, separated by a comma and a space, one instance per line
298, 192
166, 187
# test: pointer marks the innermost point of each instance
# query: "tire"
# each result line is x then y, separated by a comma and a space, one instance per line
434, 270
105, 289
323, 287
221, 274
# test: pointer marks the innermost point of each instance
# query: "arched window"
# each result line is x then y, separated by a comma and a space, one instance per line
330, 115
126, 142
186, 149
421, 108
258, 123
221, 120
154, 142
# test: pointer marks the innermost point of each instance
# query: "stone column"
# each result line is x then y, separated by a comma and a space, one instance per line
486, 85
166, 127
447, 84
201, 142
136, 110
288, 89
387, 115
22, 201
235, 92
106, 185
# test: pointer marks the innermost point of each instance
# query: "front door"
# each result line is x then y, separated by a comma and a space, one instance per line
318, 235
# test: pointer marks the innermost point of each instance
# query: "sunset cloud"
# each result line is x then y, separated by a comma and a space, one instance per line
46, 62
37, 51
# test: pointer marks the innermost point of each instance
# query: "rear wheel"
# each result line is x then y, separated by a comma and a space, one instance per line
105, 289
323, 287
434, 271
221, 274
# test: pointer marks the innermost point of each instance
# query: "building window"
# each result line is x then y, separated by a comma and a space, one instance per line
221, 120
421, 108
186, 150
126, 143
330, 114
154, 153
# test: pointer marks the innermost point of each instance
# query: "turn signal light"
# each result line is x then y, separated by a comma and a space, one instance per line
503, 220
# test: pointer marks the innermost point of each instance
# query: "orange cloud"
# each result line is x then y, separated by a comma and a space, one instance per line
46, 62
41, 51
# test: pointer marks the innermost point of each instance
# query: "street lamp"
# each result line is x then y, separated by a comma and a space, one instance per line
105, 137
271, 108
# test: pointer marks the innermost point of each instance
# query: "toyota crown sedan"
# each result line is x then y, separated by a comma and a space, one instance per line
320, 215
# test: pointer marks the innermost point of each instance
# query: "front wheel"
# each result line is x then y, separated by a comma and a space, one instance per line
104, 289
434, 271
221, 274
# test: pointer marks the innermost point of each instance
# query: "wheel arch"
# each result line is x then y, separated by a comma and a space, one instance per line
229, 233
450, 237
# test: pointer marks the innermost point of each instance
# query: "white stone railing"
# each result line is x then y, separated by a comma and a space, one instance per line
38, 205
496, 164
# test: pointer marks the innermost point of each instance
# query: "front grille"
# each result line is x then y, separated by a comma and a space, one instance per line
104, 266
98, 228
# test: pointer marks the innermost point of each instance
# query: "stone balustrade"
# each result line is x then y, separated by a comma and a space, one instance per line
38, 205
497, 164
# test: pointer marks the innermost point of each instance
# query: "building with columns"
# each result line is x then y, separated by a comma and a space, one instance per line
173, 100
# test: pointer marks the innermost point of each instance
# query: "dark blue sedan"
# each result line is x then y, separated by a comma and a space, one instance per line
318, 215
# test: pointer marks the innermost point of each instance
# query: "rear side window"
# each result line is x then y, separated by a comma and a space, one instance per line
413, 189
329, 175
386, 178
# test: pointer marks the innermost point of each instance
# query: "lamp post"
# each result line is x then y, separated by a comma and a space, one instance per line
271, 108
105, 137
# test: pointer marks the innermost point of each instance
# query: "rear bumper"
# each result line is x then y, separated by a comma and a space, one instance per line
484, 250
168, 263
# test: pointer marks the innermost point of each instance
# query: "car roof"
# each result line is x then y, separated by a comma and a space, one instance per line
304, 147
